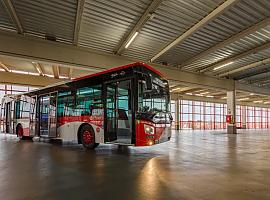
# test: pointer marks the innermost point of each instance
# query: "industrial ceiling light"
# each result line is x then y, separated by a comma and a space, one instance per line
259, 101
33, 73
205, 93
63, 77
19, 72
49, 75
243, 99
221, 66
174, 89
131, 40
210, 96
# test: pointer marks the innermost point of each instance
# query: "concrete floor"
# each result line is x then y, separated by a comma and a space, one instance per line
193, 165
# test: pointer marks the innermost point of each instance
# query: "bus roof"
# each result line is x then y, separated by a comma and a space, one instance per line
97, 74
119, 68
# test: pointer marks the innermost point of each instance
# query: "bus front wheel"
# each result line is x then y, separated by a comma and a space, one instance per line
87, 135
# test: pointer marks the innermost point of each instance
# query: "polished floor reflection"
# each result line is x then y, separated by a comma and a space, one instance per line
193, 165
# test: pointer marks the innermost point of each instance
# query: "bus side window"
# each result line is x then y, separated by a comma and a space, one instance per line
17, 109
25, 109
87, 99
65, 104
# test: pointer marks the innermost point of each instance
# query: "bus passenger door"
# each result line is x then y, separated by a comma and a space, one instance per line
111, 109
33, 123
44, 102
47, 118
119, 109
52, 115
8, 118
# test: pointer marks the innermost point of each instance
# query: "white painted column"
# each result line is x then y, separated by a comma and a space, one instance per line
231, 110
177, 114
243, 117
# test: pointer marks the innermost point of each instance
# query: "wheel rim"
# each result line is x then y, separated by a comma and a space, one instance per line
20, 132
88, 137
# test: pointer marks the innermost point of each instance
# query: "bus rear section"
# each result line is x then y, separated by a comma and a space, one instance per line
7, 114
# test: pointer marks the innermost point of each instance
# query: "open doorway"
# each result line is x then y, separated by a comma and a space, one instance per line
119, 112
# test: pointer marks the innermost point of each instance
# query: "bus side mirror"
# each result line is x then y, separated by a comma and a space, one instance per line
149, 82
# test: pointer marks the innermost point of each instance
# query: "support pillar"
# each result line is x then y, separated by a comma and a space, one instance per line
243, 117
177, 114
231, 110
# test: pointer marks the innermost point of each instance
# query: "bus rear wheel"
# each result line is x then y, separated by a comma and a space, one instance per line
20, 132
87, 135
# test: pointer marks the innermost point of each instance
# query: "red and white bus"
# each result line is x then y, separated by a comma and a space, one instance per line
128, 105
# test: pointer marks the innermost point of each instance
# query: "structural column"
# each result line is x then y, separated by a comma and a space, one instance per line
177, 114
243, 117
231, 111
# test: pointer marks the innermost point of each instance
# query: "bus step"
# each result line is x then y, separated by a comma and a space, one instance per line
117, 143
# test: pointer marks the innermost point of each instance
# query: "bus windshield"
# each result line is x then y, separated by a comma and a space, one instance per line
155, 100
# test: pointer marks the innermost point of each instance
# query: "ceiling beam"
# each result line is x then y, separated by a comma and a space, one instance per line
56, 72
70, 72
78, 22
175, 96
185, 89
25, 79
253, 74
266, 84
3, 66
251, 88
217, 93
257, 78
30, 48
13, 15
226, 42
261, 80
236, 57
38, 67
149, 12
211, 16
252, 65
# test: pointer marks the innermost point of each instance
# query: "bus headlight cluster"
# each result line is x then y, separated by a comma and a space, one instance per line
149, 129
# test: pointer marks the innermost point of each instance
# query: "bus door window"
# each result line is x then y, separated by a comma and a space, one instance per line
124, 105
8, 117
111, 111
44, 115
2, 116
33, 116
52, 115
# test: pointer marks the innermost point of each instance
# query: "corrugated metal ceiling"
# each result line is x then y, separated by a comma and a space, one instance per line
105, 23
172, 18
5, 20
241, 16
52, 17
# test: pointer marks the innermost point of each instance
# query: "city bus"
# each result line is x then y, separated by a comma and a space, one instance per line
127, 105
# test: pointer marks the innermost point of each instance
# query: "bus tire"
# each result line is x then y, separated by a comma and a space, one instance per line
87, 136
19, 132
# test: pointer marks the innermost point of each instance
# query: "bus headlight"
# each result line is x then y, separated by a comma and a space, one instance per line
149, 129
